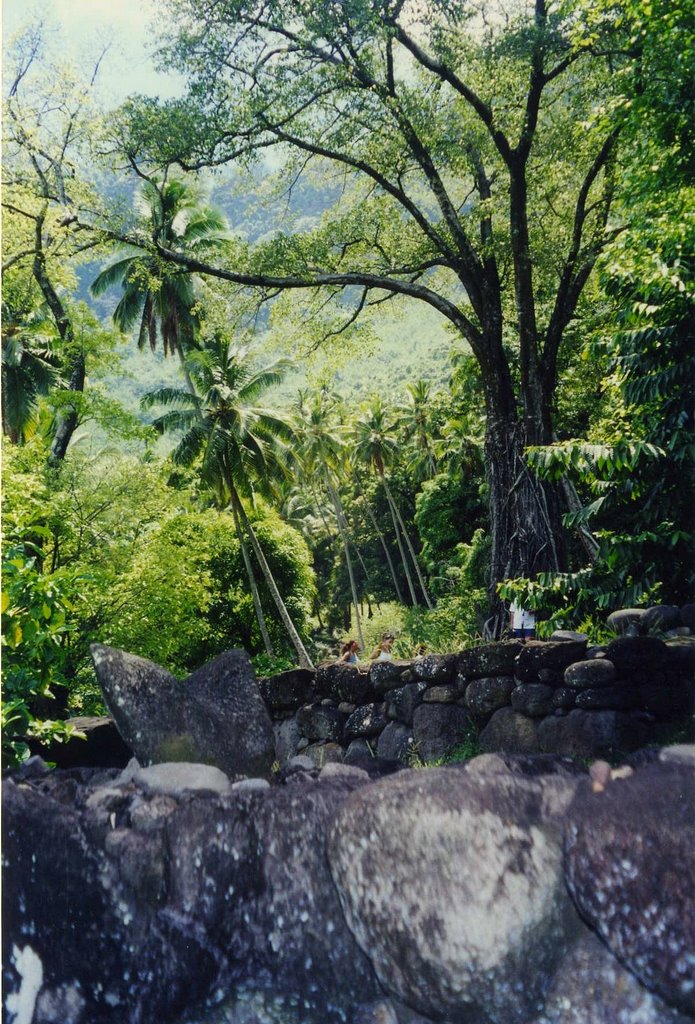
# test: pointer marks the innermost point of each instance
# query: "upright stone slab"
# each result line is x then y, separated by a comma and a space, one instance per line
216, 716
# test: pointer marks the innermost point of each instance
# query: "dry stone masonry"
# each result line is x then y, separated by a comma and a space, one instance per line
269, 858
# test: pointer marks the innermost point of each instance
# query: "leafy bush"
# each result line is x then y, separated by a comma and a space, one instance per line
37, 608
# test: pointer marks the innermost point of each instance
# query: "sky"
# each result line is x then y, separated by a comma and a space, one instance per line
84, 25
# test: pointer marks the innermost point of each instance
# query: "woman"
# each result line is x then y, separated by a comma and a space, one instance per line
382, 652
348, 652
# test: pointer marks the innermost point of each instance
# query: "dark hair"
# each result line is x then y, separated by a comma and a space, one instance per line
346, 646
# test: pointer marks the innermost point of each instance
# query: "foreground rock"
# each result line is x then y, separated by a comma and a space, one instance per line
630, 862
169, 895
452, 883
216, 716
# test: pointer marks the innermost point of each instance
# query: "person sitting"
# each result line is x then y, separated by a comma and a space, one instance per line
348, 652
382, 652
522, 623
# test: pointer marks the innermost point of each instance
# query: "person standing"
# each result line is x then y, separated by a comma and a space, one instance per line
522, 623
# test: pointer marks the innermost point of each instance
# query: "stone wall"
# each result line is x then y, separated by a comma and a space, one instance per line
557, 697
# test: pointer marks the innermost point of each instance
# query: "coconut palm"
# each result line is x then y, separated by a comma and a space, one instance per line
241, 446
161, 298
30, 368
321, 448
414, 419
375, 445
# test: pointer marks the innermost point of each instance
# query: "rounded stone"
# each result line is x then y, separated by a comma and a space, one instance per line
626, 621
586, 675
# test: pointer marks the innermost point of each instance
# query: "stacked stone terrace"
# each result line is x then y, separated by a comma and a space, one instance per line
559, 697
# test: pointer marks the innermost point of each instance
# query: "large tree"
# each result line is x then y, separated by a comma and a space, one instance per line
476, 153
49, 118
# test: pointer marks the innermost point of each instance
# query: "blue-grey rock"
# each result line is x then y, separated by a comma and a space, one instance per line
216, 716
533, 699
320, 722
660, 617
438, 729
539, 654
400, 704
626, 621
485, 696
585, 675
592, 733
396, 743
496, 659
368, 720
435, 668
509, 731
288, 691
630, 869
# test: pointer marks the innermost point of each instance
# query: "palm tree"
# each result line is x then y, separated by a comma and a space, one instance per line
415, 422
30, 368
321, 454
241, 446
161, 298
376, 446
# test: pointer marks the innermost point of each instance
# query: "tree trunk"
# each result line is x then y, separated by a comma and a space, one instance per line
384, 545
524, 513
304, 659
253, 585
392, 510
342, 527
410, 547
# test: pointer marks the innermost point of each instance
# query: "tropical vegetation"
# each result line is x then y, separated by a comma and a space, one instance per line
521, 172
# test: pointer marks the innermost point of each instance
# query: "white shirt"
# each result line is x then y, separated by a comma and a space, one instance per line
521, 617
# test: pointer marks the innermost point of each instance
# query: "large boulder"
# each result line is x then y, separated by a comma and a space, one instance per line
287, 737
630, 869
216, 716
509, 731
435, 668
321, 722
438, 729
536, 655
590, 674
396, 743
368, 720
452, 884
288, 691
618, 698
661, 617
626, 621
496, 659
592, 733
680, 655
386, 675
149, 905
